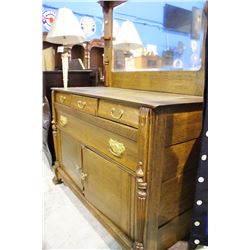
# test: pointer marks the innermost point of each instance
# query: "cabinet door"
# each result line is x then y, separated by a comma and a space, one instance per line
109, 189
71, 158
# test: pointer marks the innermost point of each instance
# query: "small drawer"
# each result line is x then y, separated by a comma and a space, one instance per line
85, 104
63, 98
118, 112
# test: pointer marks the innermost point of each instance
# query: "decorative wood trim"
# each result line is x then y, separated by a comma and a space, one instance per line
141, 182
56, 138
141, 192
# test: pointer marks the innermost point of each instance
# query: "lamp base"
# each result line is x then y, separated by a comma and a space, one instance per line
65, 67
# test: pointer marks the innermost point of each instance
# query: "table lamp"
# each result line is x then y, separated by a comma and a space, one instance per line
127, 38
65, 30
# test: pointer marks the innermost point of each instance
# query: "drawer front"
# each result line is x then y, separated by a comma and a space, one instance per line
63, 98
118, 112
71, 158
85, 104
119, 148
108, 188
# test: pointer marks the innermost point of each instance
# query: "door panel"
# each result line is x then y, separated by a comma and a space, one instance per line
71, 158
108, 188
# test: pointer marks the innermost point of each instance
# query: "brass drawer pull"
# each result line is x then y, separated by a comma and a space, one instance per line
63, 120
116, 148
62, 99
83, 176
117, 114
81, 104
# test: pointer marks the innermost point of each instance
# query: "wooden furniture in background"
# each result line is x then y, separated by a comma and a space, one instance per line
94, 57
147, 61
77, 51
131, 157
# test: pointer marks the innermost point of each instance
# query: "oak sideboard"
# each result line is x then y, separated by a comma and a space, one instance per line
131, 157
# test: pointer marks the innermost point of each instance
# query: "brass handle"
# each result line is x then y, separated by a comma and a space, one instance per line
83, 176
62, 98
116, 148
81, 104
117, 114
63, 120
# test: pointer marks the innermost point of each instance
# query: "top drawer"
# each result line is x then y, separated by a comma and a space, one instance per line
85, 104
63, 98
118, 112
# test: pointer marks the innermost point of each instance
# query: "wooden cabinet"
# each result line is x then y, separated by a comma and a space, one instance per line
128, 153
130, 156
108, 187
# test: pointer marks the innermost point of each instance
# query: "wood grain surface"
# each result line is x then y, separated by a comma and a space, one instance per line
137, 97
144, 192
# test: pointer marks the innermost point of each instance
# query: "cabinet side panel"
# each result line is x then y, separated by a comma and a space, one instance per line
183, 126
174, 230
177, 196
170, 128
180, 158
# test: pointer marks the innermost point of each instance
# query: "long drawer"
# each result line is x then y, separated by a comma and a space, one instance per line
119, 148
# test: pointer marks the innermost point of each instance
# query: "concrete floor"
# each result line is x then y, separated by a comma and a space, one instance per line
67, 224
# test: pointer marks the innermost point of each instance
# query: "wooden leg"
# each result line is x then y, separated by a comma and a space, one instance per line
56, 179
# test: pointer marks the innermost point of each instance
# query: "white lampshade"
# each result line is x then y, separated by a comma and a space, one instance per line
127, 38
65, 29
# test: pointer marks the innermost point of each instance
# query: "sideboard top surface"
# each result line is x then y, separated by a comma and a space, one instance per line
137, 97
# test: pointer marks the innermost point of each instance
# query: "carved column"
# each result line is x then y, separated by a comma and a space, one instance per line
141, 193
141, 178
56, 179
